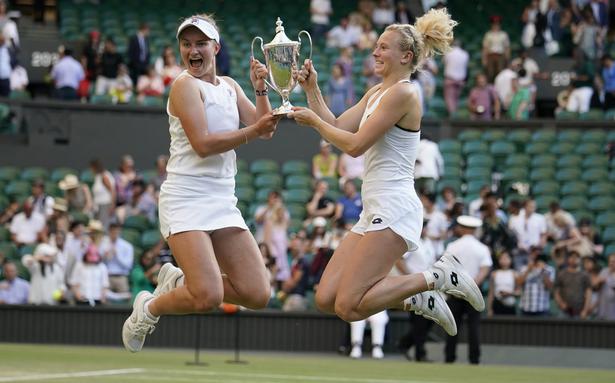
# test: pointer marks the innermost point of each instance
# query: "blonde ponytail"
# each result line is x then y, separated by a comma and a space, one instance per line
431, 34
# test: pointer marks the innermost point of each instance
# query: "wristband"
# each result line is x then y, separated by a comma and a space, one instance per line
263, 92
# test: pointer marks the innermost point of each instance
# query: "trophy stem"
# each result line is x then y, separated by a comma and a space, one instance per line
286, 106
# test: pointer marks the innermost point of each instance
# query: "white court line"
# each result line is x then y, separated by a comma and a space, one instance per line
291, 378
81, 374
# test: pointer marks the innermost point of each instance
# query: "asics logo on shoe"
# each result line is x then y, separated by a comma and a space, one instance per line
431, 303
454, 279
376, 221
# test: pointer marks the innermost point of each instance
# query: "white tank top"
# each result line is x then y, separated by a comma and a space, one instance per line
504, 280
222, 114
389, 163
100, 194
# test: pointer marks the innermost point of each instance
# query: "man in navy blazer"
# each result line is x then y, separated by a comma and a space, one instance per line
139, 52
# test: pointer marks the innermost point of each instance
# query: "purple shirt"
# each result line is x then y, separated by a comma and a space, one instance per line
15, 292
483, 97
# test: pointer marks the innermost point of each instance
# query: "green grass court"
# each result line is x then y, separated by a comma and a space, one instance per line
34, 363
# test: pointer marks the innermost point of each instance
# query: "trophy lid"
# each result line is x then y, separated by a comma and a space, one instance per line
280, 36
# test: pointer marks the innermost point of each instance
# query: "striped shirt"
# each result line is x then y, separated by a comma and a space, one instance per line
535, 297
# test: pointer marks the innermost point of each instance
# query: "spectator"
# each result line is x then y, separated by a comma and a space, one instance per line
503, 83
123, 179
340, 92
110, 61
529, 227
371, 78
161, 174
346, 60
122, 89
437, 226
429, 165
167, 67
275, 236
448, 199
19, 78
474, 209
377, 323
272, 268
57, 240
587, 37
296, 286
6, 66
552, 32
593, 271
590, 243
90, 279
27, 227
41, 202
496, 49
476, 260
8, 27
324, 164
368, 39
13, 290
103, 193
564, 44
496, 234
455, 74
580, 97
343, 35
349, 206
118, 256
143, 275
350, 168
59, 220
536, 281
261, 213
606, 300
573, 292
77, 195
530, 16
521, 102
483, 102
141, 203
320, 11
570, 237
46, 276
10, 211
502, 288
426, 77
402, 13
599, 99
320, 204
150, 84
383, 15
319, 236
67, 73
139, 52
608, 75
555, 232
90, 55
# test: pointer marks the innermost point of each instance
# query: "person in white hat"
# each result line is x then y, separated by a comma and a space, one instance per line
385, 126
476, 259
197, 205
46, 275
77, 195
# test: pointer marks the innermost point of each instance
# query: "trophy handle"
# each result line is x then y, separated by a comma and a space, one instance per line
262, 50
309, 38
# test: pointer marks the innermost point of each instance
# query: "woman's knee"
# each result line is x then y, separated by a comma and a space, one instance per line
258, 298
205, 299
325, 302
346, 309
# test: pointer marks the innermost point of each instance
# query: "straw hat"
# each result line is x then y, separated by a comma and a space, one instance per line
95, 226
60, 204
69, 182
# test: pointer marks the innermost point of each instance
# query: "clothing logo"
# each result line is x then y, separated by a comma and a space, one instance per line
414, 301
194, 20
431, 303
436, 275
376, 221
454, 279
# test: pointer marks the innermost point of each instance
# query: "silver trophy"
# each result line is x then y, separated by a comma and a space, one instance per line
281, 57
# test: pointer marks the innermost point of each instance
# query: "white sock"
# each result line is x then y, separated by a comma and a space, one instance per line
179, 281
434, 278
146, 309
410, 304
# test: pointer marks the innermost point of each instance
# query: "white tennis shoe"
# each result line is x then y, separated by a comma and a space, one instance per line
432, 305
452, 279
139, 324
167, 278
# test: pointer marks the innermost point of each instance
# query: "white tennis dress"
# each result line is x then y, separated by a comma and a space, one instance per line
389, 198
199, 193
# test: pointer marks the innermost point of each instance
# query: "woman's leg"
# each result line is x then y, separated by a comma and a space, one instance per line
203, 289
245, 276
328, 285
365, 287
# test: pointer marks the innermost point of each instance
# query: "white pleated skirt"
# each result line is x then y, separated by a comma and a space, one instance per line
188, 203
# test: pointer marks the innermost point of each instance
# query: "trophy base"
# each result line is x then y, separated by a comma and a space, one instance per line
283, 110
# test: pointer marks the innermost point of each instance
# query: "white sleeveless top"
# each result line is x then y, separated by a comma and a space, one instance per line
100, 194
220, 107
504, 280
389, 163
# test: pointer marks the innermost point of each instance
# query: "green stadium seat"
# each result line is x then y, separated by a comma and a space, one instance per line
562, 148
542, 174
137, 222
612, 175
245, 194
298, 182
449, 146
605, 219
480, 160
597, 136
610, 249
545, 188
452, 171
296, 211
596, 161
242, 165
264, 166
262, 195
582, 214
574, 188
131, 235
77, 216
150, 238
588, 148
515, 175
502, 148
270, 181
602, 189
608, 235
299, 196
244, 179
472, 147
573, 203
52, 189
535, 148
5, 234
492, 135
470, 135
543, 202
543, 160
153, 102
544, 135
569, 135
9, 250
520, 137
473, 187
295, 225
15, 188
452, 159
87, 177
101, 99
9, 173
569, 174
295, 167
566, 115
592, 114
332, 182
34, 173
569, 161
602, 203
59, 173
477, 173
594, 175
449, 182
517, 160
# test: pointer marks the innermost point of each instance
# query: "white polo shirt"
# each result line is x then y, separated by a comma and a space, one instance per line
429, 161
472, 254
528, 230
26, 229
456, 64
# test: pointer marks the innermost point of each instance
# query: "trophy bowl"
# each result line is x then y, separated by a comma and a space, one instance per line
281, 58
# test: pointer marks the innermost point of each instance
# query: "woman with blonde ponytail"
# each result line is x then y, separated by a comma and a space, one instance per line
385, 126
